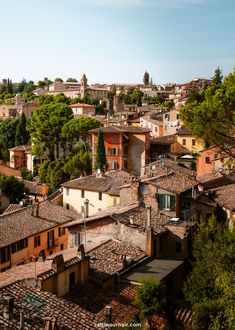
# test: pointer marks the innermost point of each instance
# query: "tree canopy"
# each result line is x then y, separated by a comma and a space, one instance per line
7, 136
100, 153
12, 188
213, 119
210, 286
45, 126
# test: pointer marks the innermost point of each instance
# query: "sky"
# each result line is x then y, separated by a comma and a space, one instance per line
115, 41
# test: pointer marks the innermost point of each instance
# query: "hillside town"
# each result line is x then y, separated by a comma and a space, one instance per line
107, 187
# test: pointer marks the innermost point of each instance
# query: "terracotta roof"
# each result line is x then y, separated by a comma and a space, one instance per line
21, 224
83, 309
21, 148
13, 208
121, 129
139, 217
184, 131
108, 258
40, 269
108, 183
164, 140
83, 105
170, 164
225, 196
174, 182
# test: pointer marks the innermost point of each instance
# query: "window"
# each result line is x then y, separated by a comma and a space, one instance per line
50, 239
166, 202
50, 252
67, 206
20, 245
61, 247
114, 201
207, 160
114, 165
100, 196
77, 239
156, 129
193, 142
82, 193
178, 247
37, 241
184, 142
5, 254
61, 231
114, 151
67, 192
178, 116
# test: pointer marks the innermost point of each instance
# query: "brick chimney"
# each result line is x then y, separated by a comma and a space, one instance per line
8, 305
134, 190
81, 251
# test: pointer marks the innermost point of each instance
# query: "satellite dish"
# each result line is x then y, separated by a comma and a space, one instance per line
21, 203
144, 190
98, 171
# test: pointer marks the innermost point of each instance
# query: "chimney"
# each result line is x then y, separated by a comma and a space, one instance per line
149, 210
108, 314
49, 323
134, 190
21, 320
81, 251
58, 263
8, 304
37, 209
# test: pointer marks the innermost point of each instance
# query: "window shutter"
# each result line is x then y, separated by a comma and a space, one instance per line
160, 201
172, 202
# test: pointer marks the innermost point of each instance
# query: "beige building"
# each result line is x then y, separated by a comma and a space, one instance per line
171, 122
82, 109
91, 194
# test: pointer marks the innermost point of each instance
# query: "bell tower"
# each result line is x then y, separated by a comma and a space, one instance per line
84, 86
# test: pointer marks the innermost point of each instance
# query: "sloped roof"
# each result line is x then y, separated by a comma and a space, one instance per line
121, 129
108, 183
21, 224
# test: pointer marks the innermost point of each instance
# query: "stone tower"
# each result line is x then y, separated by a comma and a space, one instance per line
84, 86
146, 78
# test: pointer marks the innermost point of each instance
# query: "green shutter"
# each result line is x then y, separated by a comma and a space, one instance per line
172, 202
160, 201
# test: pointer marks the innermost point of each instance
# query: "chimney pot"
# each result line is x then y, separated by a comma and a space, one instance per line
8, 304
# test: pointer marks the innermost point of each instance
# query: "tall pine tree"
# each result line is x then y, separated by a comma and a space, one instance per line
100, 152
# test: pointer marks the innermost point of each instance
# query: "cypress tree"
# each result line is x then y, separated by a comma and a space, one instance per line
100, 152
21, 135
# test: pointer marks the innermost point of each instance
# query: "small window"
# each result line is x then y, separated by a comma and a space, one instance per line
37, 241
114, 151
61, 247
61, 231
178, 247
207, 159
193, 142
156, 129
100, 196
114, 201
82, 193
178, 116
184, 142
67, 206
50, 252
67, 192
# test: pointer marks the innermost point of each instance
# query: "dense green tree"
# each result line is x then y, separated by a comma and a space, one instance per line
61, 98
46, 99
100, 152
218, 77
79, 164
210, 286
21, 135
46, 124
58, 80
71, 80
7, 137
22, 85
12, 188
151, 297
78, 128
214, 119
26, 174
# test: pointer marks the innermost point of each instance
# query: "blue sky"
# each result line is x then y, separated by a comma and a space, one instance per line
116, 40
